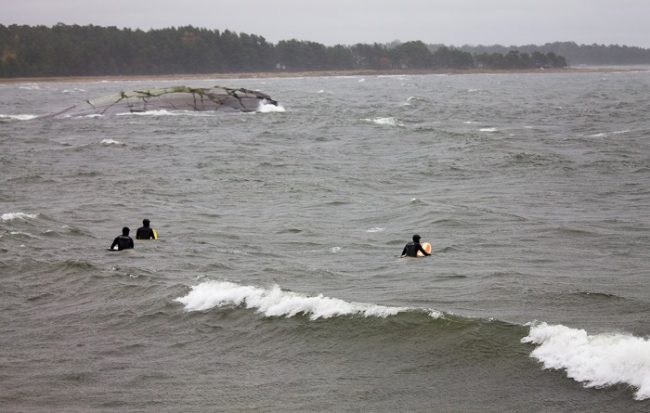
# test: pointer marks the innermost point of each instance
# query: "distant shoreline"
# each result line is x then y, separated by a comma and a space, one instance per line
318, 73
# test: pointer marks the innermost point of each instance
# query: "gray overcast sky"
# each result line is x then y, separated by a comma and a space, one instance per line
452, 22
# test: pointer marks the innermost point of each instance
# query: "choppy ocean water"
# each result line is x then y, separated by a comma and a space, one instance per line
276, 283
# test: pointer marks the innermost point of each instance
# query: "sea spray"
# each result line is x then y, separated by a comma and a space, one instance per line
266, 107
596, 360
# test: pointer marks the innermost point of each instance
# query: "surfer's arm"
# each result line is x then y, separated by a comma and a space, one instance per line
426, 254
113, 244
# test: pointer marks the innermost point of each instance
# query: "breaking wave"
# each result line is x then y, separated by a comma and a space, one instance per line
375, 229
111, 142
18, 117
10, 216
385, 121
274, 302
595, 360
266, 107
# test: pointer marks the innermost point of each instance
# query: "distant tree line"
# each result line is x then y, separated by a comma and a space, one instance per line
594, 54
72, 50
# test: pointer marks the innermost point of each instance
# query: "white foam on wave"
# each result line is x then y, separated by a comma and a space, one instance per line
266, 107
10, 216
30, 86
489, 130
74, 90
595, 360
274, 302
111, 142
22, 233
334, 250
375, 229
390, 121
18, 117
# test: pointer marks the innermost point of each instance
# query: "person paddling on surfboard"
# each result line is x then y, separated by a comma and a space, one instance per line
412, 248
123, 241
145, 231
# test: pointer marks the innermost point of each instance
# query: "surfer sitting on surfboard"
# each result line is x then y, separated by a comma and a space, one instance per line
145, 231
123, 241
412, 248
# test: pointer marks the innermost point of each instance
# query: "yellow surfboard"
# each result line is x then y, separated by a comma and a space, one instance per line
425, 246
155, 233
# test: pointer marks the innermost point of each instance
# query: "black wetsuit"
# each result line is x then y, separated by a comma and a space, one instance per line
411, 249
145, 233
123, 242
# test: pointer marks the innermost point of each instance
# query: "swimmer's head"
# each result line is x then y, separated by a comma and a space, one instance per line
145, 222
125, 231
416, 238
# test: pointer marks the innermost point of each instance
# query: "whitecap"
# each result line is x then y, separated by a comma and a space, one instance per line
595, 360
413, 100
385, 121
22, 233
10, 216
111, 142
334, 250
30, 86
489, 130
375, 229
18, 117
266, 107
274, 302
74, 90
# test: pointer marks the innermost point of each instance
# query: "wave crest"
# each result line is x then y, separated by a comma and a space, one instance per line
274, 302
390, 121
10, 216
18, 117
595, 360
266, 107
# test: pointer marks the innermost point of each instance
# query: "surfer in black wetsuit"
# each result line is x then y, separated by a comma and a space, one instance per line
411, 249
123, 241
145, 231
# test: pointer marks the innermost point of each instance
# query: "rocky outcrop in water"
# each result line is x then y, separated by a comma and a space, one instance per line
172, 98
